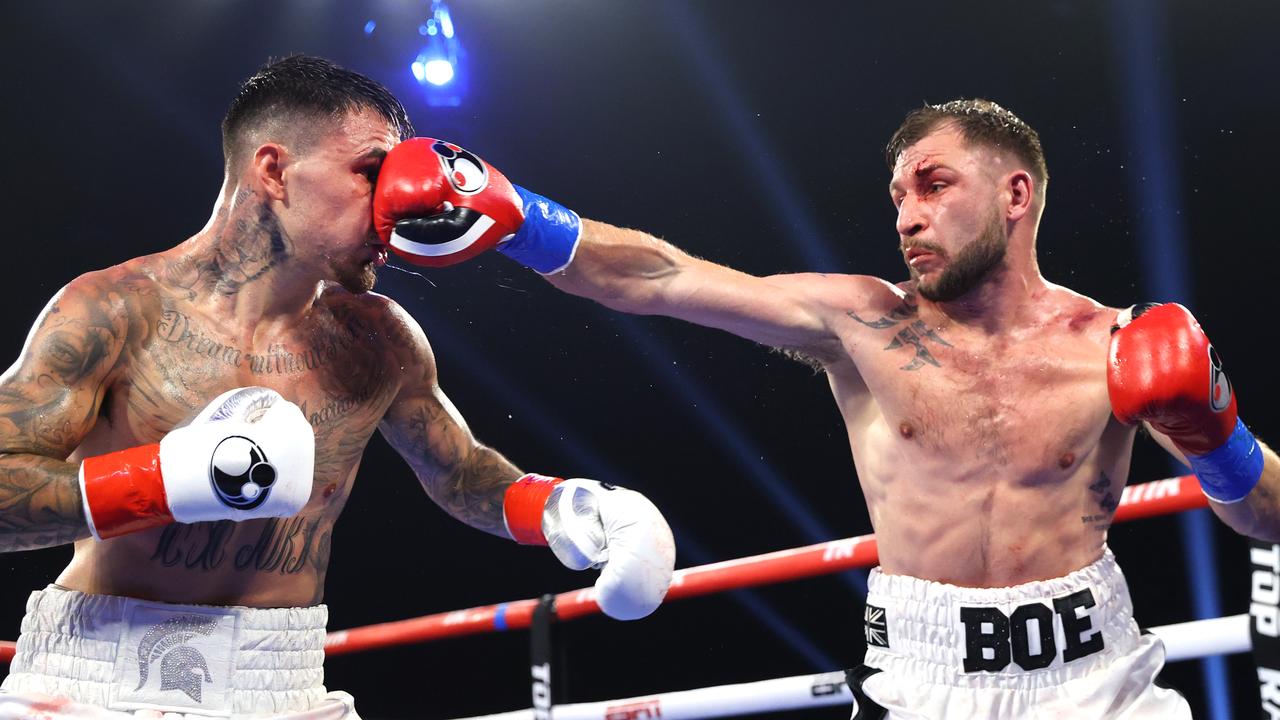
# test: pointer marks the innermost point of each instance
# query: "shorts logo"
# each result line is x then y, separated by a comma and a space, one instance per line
240, 473
467, 173
182, 667
993, 640
1219, 385
876, 626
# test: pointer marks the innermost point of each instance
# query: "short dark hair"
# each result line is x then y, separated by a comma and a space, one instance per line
306, 87
980, 122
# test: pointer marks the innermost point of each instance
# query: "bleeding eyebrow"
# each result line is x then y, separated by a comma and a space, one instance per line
921, 171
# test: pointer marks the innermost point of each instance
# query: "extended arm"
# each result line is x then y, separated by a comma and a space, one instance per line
429, 218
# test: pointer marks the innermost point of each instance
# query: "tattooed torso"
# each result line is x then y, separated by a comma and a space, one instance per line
986, 458
338, 365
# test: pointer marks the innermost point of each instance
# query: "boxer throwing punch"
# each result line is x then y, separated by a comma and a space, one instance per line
991, 413
201, 544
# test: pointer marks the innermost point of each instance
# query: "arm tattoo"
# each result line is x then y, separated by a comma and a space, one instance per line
48, 401
39, 503
472, 491
466, 479
913, 335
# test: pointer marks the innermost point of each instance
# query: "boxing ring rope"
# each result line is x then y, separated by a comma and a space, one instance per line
1143, 500
1161, 497
1183, 641
1150, 499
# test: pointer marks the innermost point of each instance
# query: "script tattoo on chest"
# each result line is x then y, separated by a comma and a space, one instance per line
181, 332
1106, 502
914, 335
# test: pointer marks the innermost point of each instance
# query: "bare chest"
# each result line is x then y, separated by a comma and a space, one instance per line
339, 378
1029, 405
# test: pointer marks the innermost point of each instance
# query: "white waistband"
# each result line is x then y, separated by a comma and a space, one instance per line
124, 653
1036, 634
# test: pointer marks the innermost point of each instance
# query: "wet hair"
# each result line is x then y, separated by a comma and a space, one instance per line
980, 122
302, 95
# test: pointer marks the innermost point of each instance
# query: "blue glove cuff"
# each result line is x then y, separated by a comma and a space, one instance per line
1230, 472
548, 237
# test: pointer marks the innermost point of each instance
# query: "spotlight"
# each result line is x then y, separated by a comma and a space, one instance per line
439, 64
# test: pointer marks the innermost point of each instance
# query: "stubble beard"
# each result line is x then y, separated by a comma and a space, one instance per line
970, 267
358, 279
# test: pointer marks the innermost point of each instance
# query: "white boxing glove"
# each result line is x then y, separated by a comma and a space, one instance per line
589, 524
248, 454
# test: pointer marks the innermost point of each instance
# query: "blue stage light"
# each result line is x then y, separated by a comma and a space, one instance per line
439, 64
369, 27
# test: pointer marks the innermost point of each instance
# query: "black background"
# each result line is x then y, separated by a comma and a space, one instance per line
661, 116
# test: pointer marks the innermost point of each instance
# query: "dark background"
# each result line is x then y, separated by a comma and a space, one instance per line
736, 130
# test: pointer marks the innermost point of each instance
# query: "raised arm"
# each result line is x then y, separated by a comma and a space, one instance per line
49, 400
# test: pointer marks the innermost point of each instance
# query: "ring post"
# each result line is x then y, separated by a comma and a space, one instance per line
1264, 621
540, 641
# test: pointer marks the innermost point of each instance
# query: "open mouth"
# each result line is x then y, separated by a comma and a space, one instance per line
918, 254
378, 255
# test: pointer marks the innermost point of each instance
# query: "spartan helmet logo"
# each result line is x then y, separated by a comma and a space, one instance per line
1219, 385
182, 667
241, 475
466, 172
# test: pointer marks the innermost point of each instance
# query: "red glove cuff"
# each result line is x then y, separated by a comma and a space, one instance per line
124, 492
522, 507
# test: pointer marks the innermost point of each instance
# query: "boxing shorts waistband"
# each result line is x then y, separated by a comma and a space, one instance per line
127, 654
1035, 634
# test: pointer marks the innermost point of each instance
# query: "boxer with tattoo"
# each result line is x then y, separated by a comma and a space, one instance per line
193, 421
991, 413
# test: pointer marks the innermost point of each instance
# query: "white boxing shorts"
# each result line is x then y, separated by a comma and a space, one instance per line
1061, 648
102, 656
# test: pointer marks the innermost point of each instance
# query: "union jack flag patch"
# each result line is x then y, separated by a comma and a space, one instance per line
876, 627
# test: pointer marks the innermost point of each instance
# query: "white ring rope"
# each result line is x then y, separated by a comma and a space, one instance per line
1182, 641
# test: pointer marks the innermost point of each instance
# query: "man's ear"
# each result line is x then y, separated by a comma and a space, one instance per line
1022, 191
269, 162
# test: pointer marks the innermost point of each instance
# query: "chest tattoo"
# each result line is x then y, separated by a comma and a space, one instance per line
185, 335
913, 333
286, 546
1106, 502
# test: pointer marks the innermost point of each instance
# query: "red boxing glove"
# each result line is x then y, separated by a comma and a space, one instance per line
436, 204
1162, 369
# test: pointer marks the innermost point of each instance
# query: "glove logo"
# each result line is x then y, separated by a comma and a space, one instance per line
467, 173
1219, 385
240, 473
